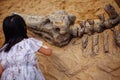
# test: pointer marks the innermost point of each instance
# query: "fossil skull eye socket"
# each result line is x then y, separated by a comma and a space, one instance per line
57, 29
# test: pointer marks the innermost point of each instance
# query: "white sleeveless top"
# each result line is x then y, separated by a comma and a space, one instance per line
20, 62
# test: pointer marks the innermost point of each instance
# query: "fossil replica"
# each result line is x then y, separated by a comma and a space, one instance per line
58, 28
54, 28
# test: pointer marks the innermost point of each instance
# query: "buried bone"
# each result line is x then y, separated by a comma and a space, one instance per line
111, 11
84, 41
95, 47
81, 30
117, 37
106, 45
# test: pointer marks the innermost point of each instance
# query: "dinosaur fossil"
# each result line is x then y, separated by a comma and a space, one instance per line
58, 27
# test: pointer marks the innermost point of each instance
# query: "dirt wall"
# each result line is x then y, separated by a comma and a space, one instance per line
71, 62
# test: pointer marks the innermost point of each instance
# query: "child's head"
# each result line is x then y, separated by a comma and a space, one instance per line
14, 29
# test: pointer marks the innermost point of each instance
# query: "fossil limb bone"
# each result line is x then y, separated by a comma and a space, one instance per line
106, 45
117, 36
95, 47
84, 41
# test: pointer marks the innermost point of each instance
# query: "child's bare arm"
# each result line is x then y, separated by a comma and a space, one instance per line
45, 50
1, 70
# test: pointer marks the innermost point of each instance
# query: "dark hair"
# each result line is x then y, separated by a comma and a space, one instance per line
15, 30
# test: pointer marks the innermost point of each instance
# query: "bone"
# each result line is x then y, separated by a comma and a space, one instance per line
46, 37
101, 17
74, 30
72, 19
109, 23
81, 30
117, 37
98, 28
106, 23
91, 26
102, 20
115, 21
87, 28
106, 45
111, 11
83, 24
95, 46
84, 41
61, 44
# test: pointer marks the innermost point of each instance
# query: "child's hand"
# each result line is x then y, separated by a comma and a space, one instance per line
45, 50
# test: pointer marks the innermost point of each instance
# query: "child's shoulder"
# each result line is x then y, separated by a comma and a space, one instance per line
33, 41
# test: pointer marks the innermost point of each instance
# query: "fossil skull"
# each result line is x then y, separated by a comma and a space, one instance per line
54, 28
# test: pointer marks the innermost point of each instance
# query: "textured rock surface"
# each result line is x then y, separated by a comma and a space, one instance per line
73, 62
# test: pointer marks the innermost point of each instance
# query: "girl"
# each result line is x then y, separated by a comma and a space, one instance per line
17, 55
